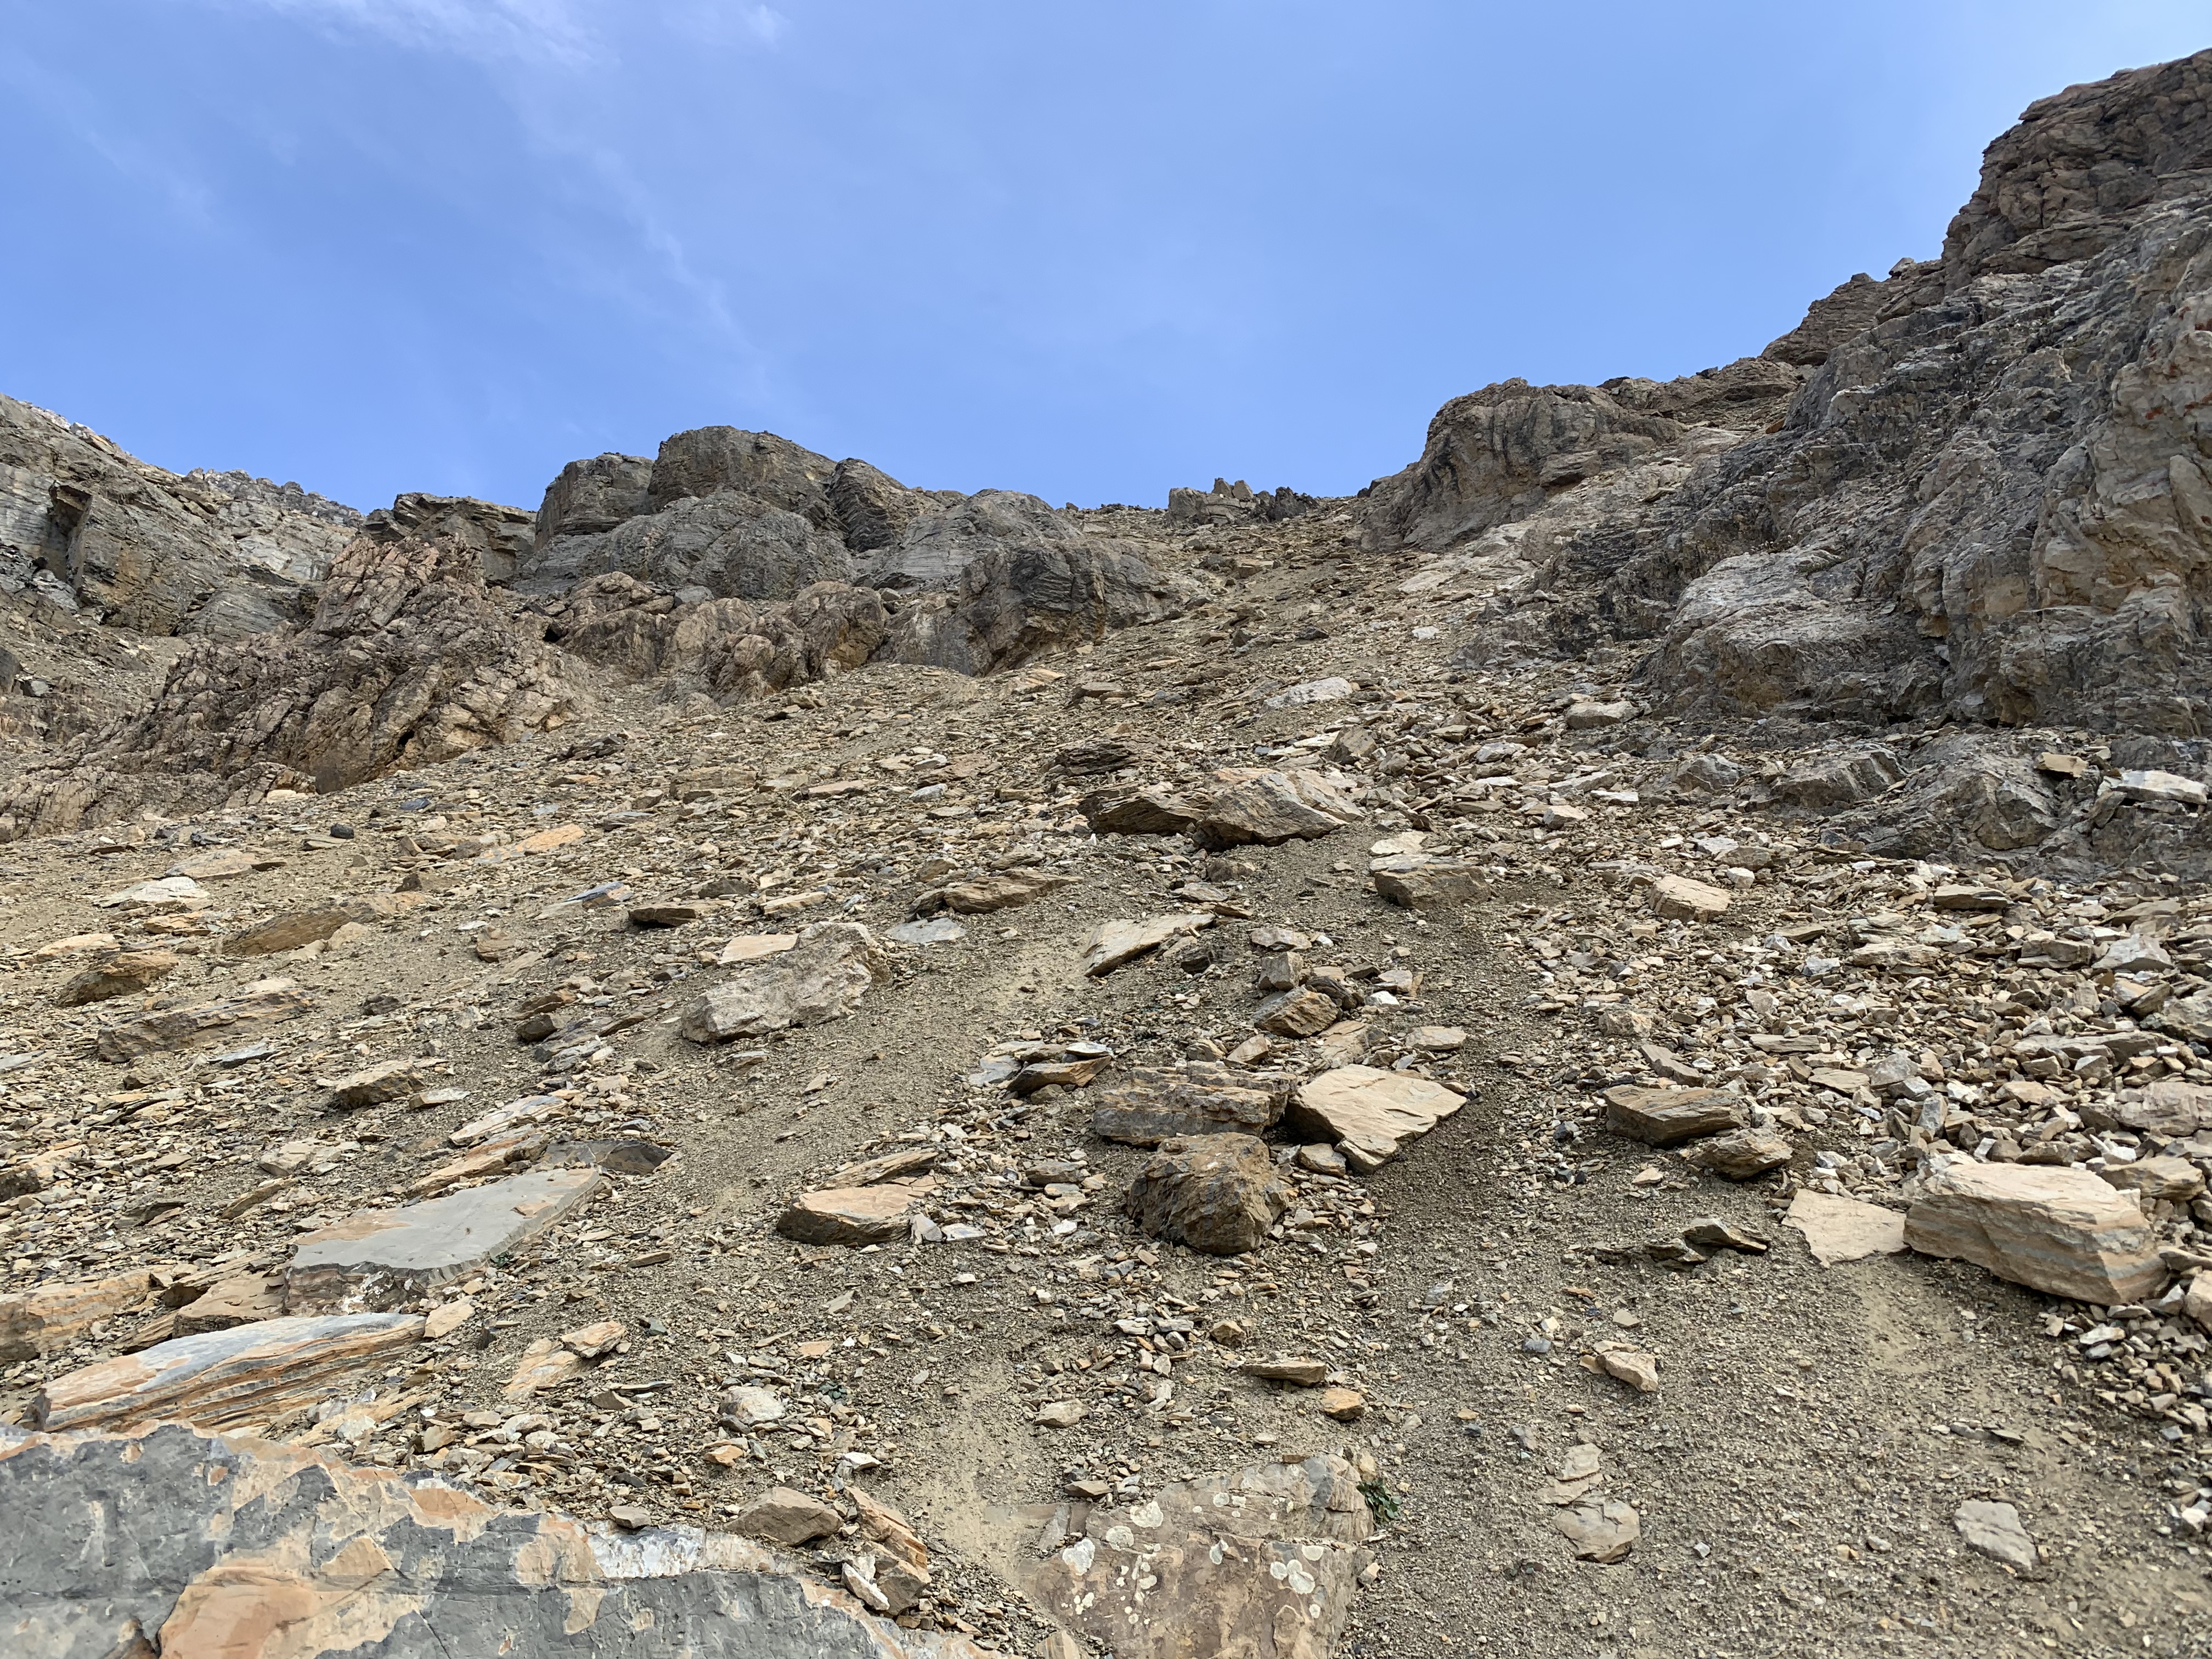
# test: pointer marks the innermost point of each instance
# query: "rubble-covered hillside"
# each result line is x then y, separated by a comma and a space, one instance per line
1605, 1049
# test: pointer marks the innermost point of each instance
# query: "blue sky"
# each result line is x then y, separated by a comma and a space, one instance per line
1087, 250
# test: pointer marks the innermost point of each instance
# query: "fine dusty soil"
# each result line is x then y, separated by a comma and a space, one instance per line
1795, 1476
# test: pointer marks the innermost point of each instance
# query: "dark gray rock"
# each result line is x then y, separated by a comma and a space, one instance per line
201, 1545
875, 509
728, 544
758, 464
594, 494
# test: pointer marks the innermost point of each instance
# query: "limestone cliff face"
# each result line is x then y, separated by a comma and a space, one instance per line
213, 555
1990, 498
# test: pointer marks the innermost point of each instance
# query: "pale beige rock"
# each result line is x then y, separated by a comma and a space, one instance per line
1605, 1531
241, 1299
854, 1215
1297, 1013
1844, 1229
448, 1317
822, 977
1633, 1366
1262, 1561
783, 1515
755, 947
1995, 1530
1668, 1117
2174, 1179
1114, 945
2053, 1228
124, 974
1743, 1156
2199, 1303
393, 1079
1374, 1110
1681, 898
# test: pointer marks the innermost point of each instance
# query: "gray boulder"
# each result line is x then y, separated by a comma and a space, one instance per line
727, 544
875, 509
759, 464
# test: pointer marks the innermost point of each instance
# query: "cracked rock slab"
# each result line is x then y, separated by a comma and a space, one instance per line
381, 1258
254, 1550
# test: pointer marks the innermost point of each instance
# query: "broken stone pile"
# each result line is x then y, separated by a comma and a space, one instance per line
769, 1058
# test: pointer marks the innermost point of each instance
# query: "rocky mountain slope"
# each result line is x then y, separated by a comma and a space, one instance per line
1605, 1049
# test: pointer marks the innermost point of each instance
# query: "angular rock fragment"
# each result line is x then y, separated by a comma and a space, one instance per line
1374, 1111
985, 894
1681, 898
1605, 1530
393, 1079
1668, 1117
51, 1316
1153, 812
171, 1029
1300, 1373
382, 1258
854, 1215
1844, 1229
1995, 1530
785, 1516
1743, 1156
1218, 1194
1270, 808
2055, 1229
124, 974
1149, 1107
1427, 883
241, 1299
221, 1379
1116, 944
822, 977
1297, 1013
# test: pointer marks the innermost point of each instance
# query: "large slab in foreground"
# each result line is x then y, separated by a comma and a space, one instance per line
209, 1546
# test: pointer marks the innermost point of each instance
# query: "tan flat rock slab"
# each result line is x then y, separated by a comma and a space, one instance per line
1375, 1110
1844, 1229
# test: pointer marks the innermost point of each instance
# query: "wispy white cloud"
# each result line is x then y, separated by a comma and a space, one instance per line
539, 30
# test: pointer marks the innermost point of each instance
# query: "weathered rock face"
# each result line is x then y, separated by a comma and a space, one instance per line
772, 470
208, 554
1989, 498
726, 545
499, 536
253, 1550
410, 659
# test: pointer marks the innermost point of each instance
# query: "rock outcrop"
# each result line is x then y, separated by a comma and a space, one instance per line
410, 659
214, 555
1989, 500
